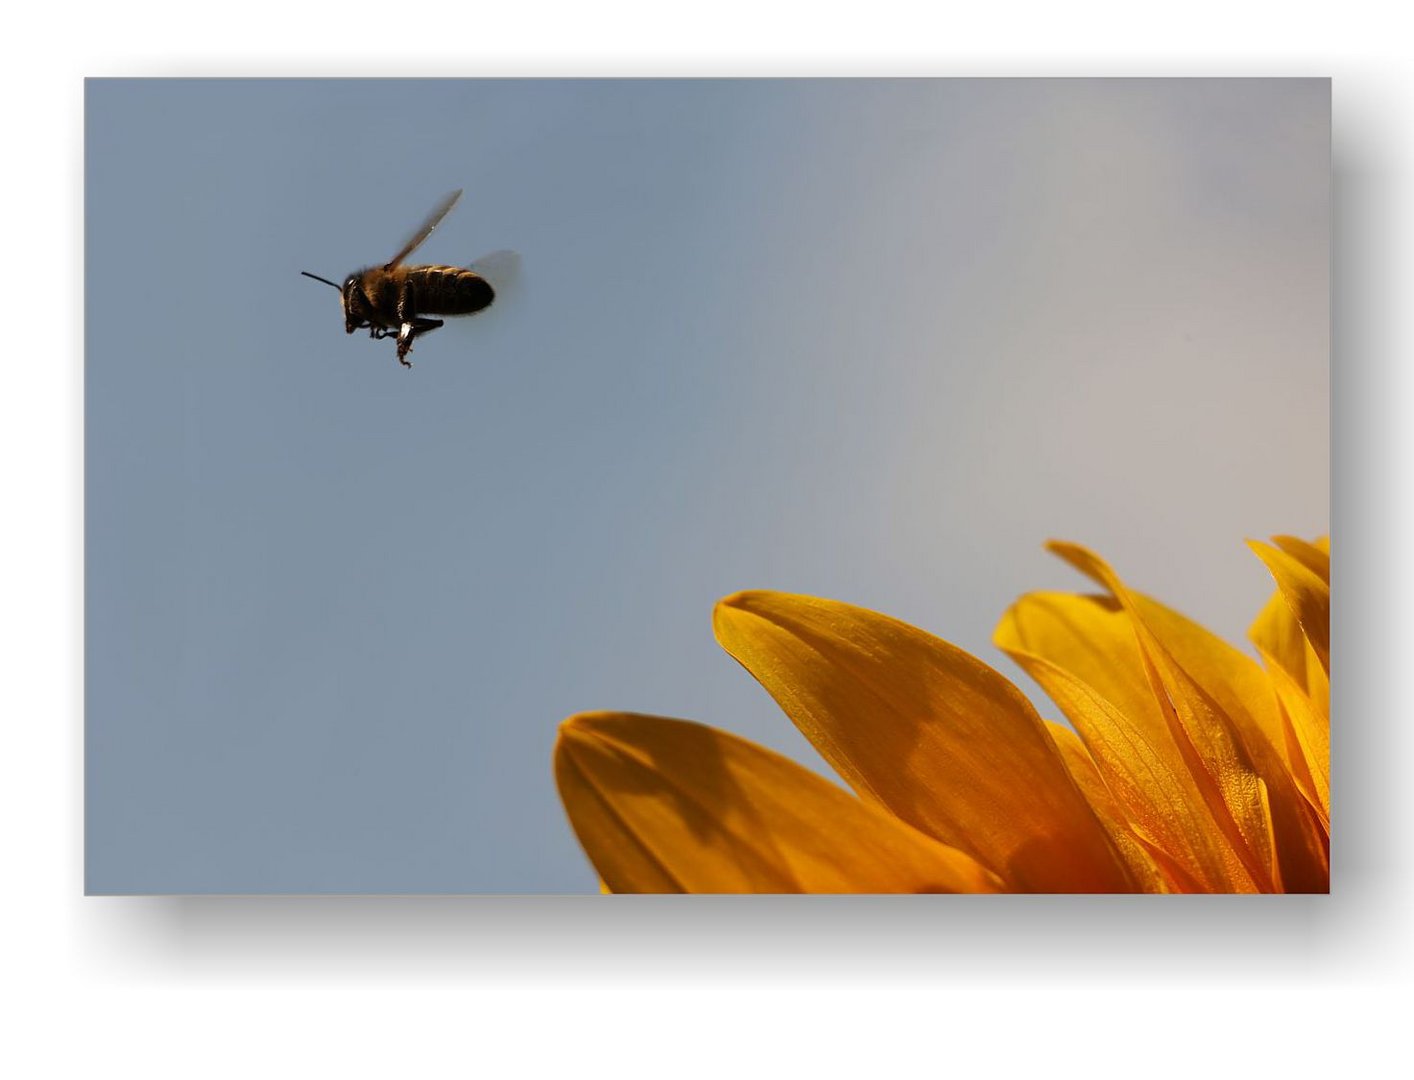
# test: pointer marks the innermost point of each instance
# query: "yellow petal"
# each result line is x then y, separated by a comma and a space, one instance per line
1312, 734
1236, 681
1315, 557
1244, 693
1279, 638
1318, 684
933, 734
664, 805
1137, 855
1206, 736
1091, 637
1305, 593
1067, 643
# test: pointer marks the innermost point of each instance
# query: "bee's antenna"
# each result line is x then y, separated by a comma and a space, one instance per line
326, 281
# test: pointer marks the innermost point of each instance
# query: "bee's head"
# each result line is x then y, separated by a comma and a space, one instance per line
356, 305
351, 297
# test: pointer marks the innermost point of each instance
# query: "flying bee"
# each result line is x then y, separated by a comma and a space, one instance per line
396, 299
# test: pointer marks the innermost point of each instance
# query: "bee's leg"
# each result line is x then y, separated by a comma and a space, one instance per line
411, 330
407, 316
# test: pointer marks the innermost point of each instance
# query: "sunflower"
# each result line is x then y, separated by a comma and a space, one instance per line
1186, 765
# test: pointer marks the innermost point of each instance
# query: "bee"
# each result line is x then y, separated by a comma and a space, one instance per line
396, 299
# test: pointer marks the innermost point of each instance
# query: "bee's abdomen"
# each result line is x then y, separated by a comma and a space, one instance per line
450, 290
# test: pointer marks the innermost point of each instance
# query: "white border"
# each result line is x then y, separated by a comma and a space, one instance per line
709, 986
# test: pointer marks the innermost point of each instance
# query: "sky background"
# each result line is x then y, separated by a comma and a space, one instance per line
873, 340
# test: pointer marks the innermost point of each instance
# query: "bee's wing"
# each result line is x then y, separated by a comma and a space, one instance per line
500, 268
433, 220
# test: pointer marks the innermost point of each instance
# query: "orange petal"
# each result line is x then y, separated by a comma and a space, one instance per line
933, 734
1207, 737
666, 805
1066, 643
1305, 593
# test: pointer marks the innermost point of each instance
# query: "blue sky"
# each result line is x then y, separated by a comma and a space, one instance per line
875, 340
